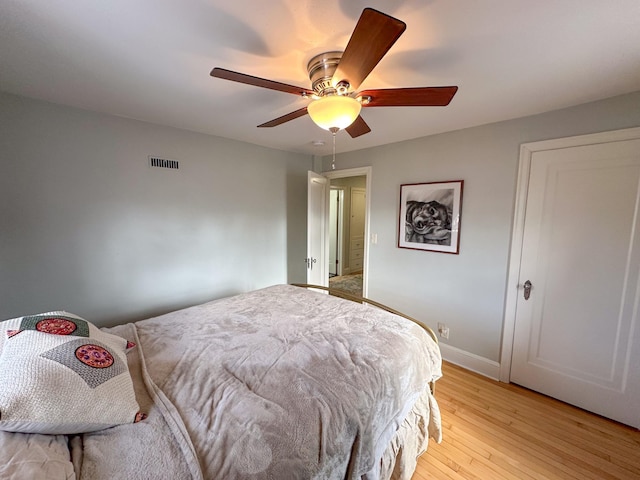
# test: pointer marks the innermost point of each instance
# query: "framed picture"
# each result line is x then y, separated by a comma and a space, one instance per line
429, 217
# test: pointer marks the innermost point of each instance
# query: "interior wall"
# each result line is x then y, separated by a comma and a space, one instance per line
88, 226
466, 291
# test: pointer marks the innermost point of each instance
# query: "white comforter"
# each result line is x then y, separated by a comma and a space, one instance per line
279, 383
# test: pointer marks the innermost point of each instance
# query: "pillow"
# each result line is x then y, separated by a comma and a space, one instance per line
60, 374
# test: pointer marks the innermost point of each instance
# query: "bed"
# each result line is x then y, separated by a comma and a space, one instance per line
285, 382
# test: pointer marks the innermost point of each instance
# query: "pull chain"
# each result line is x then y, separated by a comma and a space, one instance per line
334, 130
333, 162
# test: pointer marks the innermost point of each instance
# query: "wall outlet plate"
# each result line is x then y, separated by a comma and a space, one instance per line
443, 330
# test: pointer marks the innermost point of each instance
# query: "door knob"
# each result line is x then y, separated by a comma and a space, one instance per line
527, 289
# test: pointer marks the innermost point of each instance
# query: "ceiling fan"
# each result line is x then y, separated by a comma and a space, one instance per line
336, 76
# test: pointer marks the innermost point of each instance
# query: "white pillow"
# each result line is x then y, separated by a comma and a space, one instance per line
59, 374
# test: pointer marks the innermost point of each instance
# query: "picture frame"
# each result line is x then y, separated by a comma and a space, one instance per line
429, 216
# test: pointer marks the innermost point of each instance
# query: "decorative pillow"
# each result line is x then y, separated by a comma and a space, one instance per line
60, 374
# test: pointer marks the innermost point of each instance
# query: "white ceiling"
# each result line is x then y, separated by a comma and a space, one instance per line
150, 60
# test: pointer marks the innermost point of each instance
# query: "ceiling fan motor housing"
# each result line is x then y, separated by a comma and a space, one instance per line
321, 69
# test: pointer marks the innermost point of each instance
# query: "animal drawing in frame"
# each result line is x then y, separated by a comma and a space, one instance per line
429, 217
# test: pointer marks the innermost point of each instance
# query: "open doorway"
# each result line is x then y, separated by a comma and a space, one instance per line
355, 244
336, 231
347, 231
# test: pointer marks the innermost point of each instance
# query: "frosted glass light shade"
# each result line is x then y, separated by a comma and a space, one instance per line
334, 111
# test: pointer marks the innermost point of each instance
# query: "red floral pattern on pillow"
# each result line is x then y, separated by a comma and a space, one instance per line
94, 356
56, 326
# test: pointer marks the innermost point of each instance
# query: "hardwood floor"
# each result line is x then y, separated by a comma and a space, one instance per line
495, 431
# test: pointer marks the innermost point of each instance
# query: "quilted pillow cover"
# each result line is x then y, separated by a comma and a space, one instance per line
60, 374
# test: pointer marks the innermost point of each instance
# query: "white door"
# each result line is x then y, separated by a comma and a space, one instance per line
576, 332
317, 229
356, 229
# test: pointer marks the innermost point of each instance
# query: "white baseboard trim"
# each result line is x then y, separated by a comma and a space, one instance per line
470, 361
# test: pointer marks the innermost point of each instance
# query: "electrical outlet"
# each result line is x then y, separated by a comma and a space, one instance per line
443, 330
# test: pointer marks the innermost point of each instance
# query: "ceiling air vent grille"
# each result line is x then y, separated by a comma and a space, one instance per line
163, 163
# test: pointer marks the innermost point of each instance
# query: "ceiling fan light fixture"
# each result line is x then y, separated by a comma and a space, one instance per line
334, 111
336, 78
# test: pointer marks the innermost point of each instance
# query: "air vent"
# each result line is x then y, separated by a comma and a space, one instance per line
163, 163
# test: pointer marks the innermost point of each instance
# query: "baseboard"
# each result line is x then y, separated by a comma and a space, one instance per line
470, 361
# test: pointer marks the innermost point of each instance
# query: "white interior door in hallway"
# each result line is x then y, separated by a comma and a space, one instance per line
576, 335
356, 229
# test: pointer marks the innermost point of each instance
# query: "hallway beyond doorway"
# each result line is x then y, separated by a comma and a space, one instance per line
347, 283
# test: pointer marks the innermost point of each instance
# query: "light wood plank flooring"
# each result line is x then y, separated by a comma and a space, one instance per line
496, 431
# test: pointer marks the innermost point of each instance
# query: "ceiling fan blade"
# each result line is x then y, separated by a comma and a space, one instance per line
358, 127
409, 97
259, 82
285, 118
372, 38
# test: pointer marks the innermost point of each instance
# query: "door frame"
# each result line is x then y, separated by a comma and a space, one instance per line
358, 172
524, 169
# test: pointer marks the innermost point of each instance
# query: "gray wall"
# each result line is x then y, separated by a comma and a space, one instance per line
465, 291
87, 226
